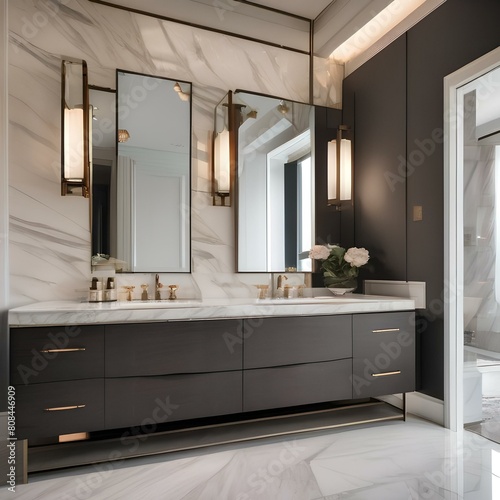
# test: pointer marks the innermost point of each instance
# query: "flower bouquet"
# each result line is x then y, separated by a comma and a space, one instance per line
340, 266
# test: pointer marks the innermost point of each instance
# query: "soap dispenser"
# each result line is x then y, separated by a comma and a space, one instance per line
95, 292
110, 292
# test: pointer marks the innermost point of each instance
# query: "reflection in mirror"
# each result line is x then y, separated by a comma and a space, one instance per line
143, 219
103, 171
275, 184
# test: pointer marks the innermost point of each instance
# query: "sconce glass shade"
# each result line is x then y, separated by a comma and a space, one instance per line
222, 164
339, 170
73, 145
75, 118
332, 171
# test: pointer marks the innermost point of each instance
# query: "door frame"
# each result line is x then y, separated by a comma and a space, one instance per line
453, 236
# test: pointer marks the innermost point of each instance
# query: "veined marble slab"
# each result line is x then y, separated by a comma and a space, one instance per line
71, 312
49, 236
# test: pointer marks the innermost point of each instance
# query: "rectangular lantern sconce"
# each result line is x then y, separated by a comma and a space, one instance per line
339, 179
225, 146
224, 154
75, 129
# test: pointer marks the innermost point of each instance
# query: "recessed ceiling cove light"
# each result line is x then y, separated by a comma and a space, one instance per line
375, 29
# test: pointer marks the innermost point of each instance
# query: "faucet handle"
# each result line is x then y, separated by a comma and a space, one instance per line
262, 291
172, 295
129, 289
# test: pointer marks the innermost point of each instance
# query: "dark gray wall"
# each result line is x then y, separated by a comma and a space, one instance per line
375, 107
326, 123
399, 93
327, 218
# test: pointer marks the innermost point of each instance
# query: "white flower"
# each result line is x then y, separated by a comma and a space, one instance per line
319, 252
357, 257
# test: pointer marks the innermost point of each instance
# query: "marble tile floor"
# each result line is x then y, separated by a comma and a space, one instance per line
394, 460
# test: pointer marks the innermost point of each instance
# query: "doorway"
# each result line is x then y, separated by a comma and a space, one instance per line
472, 247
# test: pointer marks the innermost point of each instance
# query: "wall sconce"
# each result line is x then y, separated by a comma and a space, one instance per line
75, 125
225, 144
339, 169
222, 165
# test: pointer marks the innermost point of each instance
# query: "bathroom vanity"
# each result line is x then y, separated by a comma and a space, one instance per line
86, 368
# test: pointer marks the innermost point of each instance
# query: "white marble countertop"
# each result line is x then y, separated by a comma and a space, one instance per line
81, 313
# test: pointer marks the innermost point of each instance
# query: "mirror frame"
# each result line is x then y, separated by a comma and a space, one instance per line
237, 177
330, 225
187, 216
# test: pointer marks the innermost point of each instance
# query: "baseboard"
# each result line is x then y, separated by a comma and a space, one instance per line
419, 404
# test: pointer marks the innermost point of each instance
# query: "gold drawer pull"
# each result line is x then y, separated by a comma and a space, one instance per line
68, 349
383, 330
386, 374
63, 408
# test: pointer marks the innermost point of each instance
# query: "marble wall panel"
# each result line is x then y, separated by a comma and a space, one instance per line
49, 234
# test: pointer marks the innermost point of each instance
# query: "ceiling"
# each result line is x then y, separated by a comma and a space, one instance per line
310, 9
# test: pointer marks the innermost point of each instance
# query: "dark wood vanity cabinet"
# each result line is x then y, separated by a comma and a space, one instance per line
159, 372
58, 376
383, 354
297, 361
89, 378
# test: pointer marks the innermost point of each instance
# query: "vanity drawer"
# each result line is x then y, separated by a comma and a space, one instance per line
148, 401
287, 341
55, 408
383, 354
370, 331
58, 353
370, 382
284, 386
169, 348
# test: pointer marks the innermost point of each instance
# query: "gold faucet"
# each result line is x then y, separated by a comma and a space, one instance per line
158, 287
280, 281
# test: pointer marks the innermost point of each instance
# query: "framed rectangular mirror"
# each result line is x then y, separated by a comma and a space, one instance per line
142, 177
275, 184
